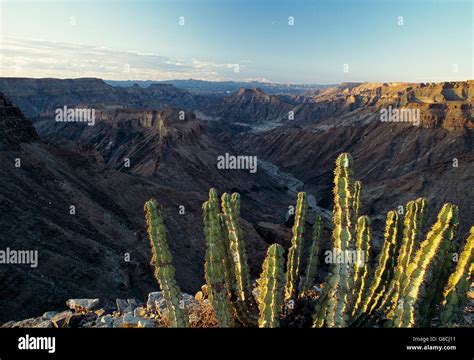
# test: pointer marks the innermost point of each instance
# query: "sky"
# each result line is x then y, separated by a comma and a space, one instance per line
291, 41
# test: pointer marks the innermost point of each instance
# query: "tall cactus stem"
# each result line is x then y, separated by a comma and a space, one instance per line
270, 287
296, 249
361, 272
162, 262
455, 292
314, 250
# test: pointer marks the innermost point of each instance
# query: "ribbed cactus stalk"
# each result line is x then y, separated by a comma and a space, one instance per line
295, 252
337, 295
244, 302
455, 292
421, 215
235, 201
228, 264
411, 233
314, 250
361, 266
417, 289
270, 287
215, 271
162, 262
385, 265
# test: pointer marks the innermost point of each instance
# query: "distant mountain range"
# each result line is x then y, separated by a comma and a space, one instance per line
223, 87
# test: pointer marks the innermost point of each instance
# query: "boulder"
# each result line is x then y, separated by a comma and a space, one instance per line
106, 320
130, 321
156, 303
143, 323
139, 312
82, 305
123, 306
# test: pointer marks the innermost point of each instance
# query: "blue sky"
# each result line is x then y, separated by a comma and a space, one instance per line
130, 40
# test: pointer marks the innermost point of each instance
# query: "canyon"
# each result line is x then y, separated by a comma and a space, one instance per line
139, 148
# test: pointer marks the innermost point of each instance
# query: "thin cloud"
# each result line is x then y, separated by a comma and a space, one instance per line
46, 58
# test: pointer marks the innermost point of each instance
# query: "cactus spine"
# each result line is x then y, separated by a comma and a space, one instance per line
356, 201
270, 286
162, 262
314, 250
420, 271
385, 264
215, 270
361, 266
455, 292
296, 250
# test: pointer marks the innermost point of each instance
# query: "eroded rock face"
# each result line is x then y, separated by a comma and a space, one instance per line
252, 106
441, 105
103, 242
81, 253
37, 96
82, 304
14, 128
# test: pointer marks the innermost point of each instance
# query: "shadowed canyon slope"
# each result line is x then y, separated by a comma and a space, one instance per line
84, 254
174, 159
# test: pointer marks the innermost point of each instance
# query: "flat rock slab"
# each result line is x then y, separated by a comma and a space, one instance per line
81, 305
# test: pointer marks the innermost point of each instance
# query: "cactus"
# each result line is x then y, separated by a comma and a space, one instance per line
228, 264
270, 287
333, 307
361, 267
244, 302
411, 281
235, 201
455, 292
421, 215
296, 250
215, 266
162, 262
421, 271
411, 233
314, 250
385, 265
